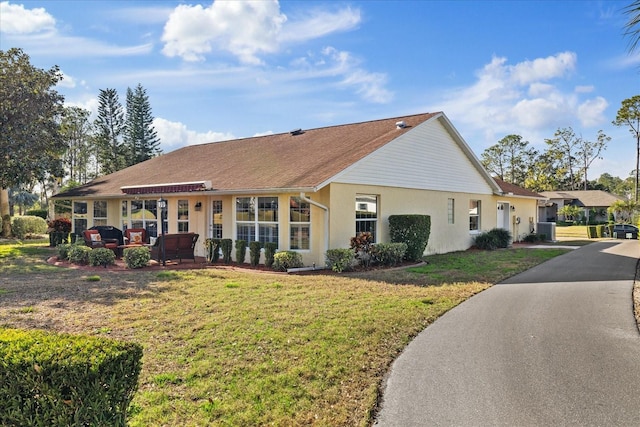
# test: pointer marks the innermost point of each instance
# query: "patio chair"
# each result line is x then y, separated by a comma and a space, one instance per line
135, 236
93, 239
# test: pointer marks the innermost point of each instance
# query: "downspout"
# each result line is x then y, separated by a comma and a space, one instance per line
326, 219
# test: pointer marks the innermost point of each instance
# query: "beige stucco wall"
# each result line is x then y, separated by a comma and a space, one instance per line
340, 198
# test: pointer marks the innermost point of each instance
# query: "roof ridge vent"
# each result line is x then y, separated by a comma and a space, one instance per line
401, 124
296, 132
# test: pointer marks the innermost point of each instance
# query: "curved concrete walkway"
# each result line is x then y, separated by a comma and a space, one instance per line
557, 345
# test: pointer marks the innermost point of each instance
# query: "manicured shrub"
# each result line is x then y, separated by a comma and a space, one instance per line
270, 249
340, 260
63, 251
42, 213
23, 226
486, 241
414, 230
102, 256
226, 246
79, 254
213, 250
137, 257
254, 253
362, 246
282, 261
241, 251
49, 379
389, 253
600, 231
592, 233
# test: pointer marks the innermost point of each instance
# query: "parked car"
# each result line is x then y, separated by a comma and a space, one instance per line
625, 231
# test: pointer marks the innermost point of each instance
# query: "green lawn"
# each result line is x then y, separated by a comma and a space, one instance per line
230, 348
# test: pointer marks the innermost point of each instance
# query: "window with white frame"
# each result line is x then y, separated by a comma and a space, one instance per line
141, 214
366, 214
216, 220
474, 215
451, 205
99, 212
300, 224
257, 219
183, 216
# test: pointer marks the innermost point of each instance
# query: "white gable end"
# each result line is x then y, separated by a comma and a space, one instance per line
427, 158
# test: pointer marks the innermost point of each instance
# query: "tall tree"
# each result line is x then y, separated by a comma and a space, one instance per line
546, 173
565, 144
109, 128
76, 131
140, 137
629, 115
588, 151
30, 110
632, 27
509, 159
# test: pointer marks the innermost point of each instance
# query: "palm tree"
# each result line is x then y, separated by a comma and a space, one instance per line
632, 27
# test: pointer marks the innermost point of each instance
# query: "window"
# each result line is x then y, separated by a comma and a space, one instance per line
216, 220
79, 217
366, 214
183, 216
450, 211
141, 214
474, 215
257, 219
100, 212
300, 223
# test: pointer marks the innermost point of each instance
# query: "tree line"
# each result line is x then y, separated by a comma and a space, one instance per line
565, 162
44, 143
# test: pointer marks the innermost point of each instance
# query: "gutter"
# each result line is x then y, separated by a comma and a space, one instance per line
326, 218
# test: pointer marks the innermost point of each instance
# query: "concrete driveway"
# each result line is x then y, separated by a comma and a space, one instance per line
556, 345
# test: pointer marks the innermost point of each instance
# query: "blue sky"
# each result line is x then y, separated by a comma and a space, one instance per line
232, 69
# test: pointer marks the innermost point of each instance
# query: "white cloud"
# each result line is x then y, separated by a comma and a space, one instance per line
247, 30
527, 98
174, 135
15, 19
591, 112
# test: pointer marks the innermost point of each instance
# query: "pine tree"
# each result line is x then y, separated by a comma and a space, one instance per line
109, 128
140, 138
76, 131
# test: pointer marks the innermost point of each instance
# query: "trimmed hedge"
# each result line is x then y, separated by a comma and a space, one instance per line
102, 256
270, 249
340, 260
22, 226
137, 257
49, 379
414, 230
241, 251
282, 261
254, 253
226, 246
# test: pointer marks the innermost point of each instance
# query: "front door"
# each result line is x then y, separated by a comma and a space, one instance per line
504, 210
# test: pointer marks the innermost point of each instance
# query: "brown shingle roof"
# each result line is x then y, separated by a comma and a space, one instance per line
282, 161
507, 187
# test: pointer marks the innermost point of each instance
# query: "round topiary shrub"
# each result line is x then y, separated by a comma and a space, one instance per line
282, 261
63, 251
136, 257
340, 260
23, 226
102, 256
79, 254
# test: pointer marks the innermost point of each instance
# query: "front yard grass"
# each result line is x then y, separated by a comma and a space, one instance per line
226, 348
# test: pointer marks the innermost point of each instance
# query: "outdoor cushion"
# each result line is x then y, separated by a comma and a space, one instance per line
95, 237
136, 238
